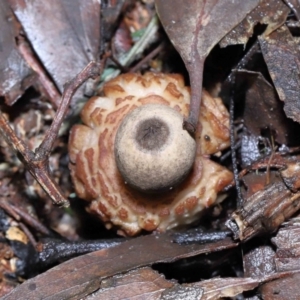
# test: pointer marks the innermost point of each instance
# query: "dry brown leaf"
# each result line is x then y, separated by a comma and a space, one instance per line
64, 34
81, 276
263, 110
16, 75
195, 27
272, 13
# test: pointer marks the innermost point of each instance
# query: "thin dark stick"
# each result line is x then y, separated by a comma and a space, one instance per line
92, 70
232, 143
7, 208
243, 62
231, 79
148, 57
31, 221
28, 234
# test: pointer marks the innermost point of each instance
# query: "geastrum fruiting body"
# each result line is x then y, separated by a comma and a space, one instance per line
136, 165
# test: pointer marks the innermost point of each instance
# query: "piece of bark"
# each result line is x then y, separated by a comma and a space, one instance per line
259, 262
264, 211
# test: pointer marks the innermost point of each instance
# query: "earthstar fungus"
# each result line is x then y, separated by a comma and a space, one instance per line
127, 195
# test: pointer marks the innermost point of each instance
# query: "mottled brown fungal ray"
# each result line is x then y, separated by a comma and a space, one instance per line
95, 174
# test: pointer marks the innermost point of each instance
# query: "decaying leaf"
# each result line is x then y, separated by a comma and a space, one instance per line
263, 111
62, 34
194, 28
272, 13
16, 75
282, 58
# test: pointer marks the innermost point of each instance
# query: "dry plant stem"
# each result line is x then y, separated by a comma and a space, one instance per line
37, 162
46, 82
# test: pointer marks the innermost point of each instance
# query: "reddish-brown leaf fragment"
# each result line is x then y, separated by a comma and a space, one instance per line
15, 74
282, 58
81, 276
147, 284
